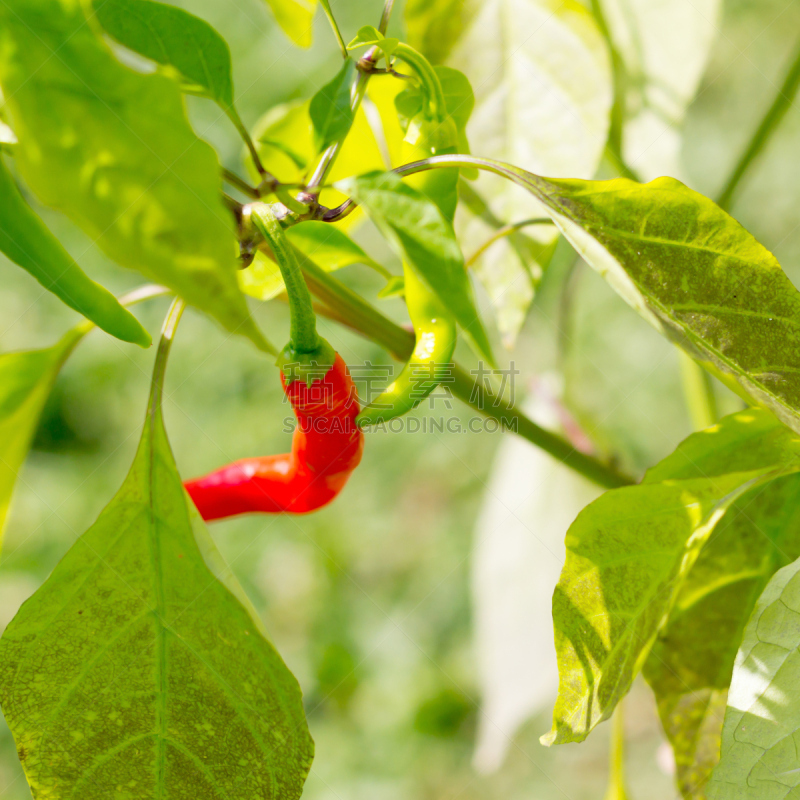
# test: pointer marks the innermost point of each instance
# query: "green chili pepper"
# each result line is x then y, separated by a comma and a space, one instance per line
431, 133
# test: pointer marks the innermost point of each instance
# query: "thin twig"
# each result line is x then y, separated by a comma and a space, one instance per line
326, 7
387, 13
366, 65
266, 177
243, 186
775, 113
506, 230
373, 325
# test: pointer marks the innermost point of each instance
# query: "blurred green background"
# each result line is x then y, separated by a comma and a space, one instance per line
368, 601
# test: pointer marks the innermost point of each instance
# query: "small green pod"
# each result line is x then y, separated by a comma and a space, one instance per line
430, 363
435, 328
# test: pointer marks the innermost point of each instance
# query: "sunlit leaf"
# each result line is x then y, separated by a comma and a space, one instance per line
419, 232
26, 241
330, 109
113, 150
296, 17
689, 670
543, 94
325, 245
629, 552
26, 379
759, 757
173, 38
664, 48
139, 668
690, 270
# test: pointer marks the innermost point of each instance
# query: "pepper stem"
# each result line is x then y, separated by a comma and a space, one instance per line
303, 336
427, 77
308, 356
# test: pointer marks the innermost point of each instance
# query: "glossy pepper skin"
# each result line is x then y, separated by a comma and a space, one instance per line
326, 447
434, 326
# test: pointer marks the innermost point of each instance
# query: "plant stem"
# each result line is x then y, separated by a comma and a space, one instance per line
303, 337
146, 292
427, 77
616, 778
370, 323
387, 13
620, 165
245, 188
165, 344
326, 7
615, 133
773, 117
329, 156
248, 141
506, 230
699, 393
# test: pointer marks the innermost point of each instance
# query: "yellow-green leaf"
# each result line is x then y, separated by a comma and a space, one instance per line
139, 669
689, 269
26, 379
26, 241
113, 150
629, 553
759, 757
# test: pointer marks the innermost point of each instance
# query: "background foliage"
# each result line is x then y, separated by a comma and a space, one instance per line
369, 600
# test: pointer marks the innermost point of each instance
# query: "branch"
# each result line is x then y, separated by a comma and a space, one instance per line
506, 230
387, 13
370, 323
772, 119
326, 7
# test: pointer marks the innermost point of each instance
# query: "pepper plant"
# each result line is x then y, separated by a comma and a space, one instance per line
140, 668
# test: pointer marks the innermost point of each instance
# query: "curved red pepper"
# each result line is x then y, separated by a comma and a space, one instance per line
326, 447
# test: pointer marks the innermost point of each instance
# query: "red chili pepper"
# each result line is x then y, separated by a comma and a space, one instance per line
326, 448
327, 444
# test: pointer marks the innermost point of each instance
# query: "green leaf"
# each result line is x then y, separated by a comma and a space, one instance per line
759, 758
25, 240
26, 379
629, 553
113, 150
139, 669
331, 112
328, 247
296, 18
418, 232
690, 671
543, 95
690, 270
173, 38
